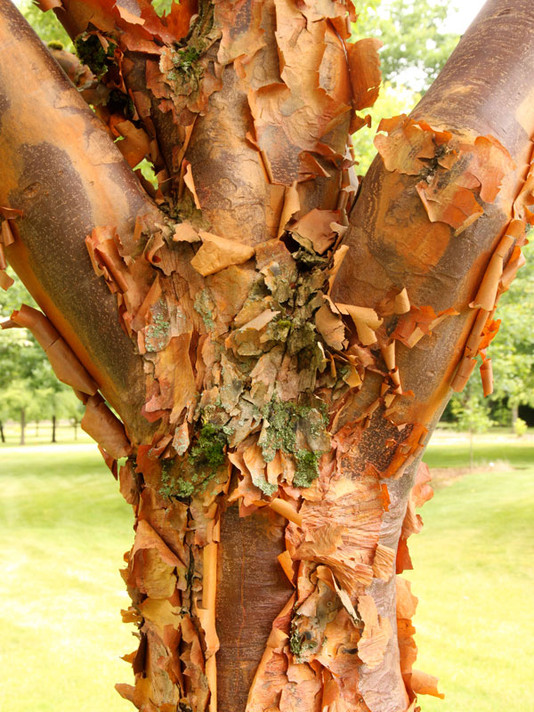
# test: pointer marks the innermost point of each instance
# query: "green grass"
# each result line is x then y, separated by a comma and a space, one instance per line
64, 526
449, 449
63, 529
474, 576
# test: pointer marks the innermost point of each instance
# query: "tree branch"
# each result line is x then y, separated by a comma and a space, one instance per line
391, 233
394, 245
66, 176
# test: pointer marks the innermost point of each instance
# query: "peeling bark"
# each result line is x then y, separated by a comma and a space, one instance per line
277, 351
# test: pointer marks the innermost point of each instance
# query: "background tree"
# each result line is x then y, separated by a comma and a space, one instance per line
45, 24
70, 407
512, 359
415, 48
57, 402
513, 349
471, 414
32, 392
30, 389
23, 367
274, 398
416, 45
19, 403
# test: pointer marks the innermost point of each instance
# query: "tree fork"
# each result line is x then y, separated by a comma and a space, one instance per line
282, 384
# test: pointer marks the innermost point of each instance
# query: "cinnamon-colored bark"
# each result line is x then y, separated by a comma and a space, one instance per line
235, 335
64, 173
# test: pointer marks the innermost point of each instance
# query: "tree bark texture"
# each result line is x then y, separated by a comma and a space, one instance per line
276, 340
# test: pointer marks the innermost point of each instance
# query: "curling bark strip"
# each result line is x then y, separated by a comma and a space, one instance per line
285, 365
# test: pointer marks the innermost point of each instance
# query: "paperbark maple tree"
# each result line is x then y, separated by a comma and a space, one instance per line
277, 343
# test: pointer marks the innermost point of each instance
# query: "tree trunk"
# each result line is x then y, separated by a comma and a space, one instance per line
514, 413
274, 398
2, 434
22, 440
53, 428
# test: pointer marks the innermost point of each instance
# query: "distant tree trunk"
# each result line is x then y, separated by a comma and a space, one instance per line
22, 426
53, 428
2, 435
277, 340
75, 426
515, 413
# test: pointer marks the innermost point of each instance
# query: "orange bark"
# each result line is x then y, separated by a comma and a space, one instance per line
277, 387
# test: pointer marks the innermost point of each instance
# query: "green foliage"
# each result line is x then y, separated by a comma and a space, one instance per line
45, 24
415, 44
162, 7
392, 101
23, 359
147, 171
60, 401
512, 350
470, 410
17, 398
512, 355
415, 50
520, 427
13, 297
27, 381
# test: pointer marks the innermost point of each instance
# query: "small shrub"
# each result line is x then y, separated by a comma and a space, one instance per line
520, 427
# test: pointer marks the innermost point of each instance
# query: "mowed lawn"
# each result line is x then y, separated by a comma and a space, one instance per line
63, 530
474, 577
64, 527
